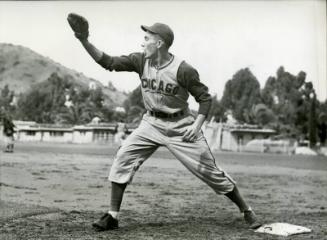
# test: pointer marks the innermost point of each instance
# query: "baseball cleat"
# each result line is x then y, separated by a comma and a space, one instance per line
106, 222
251, 219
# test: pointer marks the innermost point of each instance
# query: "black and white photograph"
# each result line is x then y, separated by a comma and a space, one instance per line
159, 120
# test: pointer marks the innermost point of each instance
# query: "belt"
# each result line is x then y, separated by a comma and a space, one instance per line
166, 115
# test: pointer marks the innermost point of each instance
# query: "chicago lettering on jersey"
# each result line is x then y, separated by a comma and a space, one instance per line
161, 87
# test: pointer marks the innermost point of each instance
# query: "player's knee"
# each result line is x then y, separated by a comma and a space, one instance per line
120, 155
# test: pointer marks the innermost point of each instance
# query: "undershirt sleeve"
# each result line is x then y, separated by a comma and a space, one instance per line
133, 62
189, 78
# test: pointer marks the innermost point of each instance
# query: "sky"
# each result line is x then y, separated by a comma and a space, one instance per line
218, 38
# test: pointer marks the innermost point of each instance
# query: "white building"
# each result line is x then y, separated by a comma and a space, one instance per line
97, 133
220, 136
233, 137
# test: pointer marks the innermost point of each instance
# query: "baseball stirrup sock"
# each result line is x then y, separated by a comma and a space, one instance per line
236, 197
117, 192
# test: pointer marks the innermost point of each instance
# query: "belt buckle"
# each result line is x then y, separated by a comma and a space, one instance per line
176, 114
166, 115
158, 114
180, 113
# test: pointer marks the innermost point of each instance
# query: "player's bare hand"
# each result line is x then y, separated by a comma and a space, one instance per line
190, 134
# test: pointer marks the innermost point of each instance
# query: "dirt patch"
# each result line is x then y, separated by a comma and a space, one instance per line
56, 195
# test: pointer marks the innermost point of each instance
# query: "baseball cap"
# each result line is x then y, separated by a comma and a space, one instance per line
163, 30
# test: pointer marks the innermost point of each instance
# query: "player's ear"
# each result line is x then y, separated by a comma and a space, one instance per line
160, 43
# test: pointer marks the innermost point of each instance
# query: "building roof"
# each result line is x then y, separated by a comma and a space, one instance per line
244, 130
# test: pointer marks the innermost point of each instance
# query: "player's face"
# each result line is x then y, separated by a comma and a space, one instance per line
150, 45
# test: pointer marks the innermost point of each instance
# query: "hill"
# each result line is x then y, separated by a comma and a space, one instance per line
21, 68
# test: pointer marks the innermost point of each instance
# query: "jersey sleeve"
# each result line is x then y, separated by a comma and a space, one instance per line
189, 78
133, 62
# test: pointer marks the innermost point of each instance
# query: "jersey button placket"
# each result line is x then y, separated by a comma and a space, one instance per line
157, 85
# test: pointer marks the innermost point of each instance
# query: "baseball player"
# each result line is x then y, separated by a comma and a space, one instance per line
121, 130
8, 132
166, 82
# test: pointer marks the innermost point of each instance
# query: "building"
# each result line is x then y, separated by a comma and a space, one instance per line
90, 133
234, 137
220, 136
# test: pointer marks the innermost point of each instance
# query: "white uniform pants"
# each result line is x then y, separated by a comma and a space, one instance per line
155, 132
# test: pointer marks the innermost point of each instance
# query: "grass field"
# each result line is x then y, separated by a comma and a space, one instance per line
55, 191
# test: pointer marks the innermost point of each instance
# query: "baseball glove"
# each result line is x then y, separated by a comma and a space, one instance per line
79, 25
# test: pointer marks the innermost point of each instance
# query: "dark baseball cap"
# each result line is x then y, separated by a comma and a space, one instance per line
163, 30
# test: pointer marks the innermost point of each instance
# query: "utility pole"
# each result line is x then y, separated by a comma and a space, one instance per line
312, 120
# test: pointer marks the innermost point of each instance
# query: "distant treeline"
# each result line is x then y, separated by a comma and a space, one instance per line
287, 103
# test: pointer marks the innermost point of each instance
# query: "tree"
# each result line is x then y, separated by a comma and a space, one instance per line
86, 104
263, 116
240, 94
6, 99
284, 95
217, 110
322, 124
30, 106
45, 102
134, 106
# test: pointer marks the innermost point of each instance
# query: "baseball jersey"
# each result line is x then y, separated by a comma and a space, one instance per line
164, 89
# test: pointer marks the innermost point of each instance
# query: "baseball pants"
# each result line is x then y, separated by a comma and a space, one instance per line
155, 132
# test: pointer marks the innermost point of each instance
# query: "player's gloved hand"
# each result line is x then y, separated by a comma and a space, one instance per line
79, 25
191, 133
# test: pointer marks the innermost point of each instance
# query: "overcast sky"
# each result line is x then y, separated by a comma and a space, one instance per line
217, 37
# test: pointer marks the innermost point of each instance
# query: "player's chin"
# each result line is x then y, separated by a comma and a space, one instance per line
148, 55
